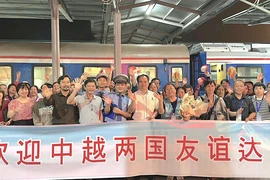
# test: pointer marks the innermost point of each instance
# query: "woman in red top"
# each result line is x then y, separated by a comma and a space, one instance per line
20, 110
3, 107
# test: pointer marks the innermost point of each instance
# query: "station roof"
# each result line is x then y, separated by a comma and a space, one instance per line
142, 21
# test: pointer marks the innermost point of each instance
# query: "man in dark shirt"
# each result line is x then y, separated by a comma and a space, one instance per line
63, 113
239, 106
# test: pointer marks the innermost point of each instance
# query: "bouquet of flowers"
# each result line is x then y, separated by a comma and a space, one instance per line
194, 107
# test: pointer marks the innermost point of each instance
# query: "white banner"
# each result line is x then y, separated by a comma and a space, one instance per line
195, 148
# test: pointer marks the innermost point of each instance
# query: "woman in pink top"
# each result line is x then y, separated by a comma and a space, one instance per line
20, 110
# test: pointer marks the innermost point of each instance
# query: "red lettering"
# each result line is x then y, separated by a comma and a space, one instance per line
252, 144
187, 149
31, 152
155, 147
125, 146
60, 153
3, 149
94, 149
219, 148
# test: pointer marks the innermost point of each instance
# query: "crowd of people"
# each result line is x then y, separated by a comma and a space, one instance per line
105, 99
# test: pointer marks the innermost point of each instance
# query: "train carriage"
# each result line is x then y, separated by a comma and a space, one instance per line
35, 62
219, 57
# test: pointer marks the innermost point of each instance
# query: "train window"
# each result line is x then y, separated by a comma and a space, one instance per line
5, 75
179, 70
150, 71
93, 71
43, 74
248, 73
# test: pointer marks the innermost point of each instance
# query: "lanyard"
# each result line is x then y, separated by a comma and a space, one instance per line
236, 103
258, 107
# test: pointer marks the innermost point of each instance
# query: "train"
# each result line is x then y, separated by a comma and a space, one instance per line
34, 60
219, 57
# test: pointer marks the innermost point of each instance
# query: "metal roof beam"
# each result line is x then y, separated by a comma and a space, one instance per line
135, 5
155, 31
244, 12
24, 5
206, 11
181, 8
256, 6
164, 21
129, 20
170, 11
147, 38
64, 10
265, 20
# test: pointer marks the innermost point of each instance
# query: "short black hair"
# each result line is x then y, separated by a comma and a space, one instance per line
226, 80
10, 85
89, 81
55, 83
155, 79
187, 86
169, 83
63, 77
22, 86
208, 81
138, 78
258, 84
47, 84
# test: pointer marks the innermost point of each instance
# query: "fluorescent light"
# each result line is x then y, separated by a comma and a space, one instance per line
192, 21
150, 8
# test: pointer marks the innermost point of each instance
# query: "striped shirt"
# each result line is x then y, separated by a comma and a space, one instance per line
263, 109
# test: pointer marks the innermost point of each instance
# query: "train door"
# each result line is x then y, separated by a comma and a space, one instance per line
218, 71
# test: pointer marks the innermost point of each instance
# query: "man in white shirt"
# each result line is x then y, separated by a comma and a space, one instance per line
148, 103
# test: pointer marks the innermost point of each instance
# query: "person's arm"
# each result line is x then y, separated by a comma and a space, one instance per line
108, 102
71, 98
47, 93
160, 103
132, 103
252, 112
36, 118
101, 117
11, 109
251, 117
18, 77
122, 113
260, 77
110, 75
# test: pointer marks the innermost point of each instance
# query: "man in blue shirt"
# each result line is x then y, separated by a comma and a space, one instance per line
117, 103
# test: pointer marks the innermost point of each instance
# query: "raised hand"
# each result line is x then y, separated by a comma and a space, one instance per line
131, 95
78, 83
184, 81
18, 75
112, 67
46, 92
84, 76
107, 100
259, 77
158, 96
